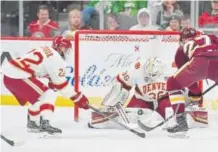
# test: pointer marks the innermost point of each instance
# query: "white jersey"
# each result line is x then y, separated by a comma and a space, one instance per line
41, 62
145, 88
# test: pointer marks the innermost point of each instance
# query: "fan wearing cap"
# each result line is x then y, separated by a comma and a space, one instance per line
175, 23
144, 21
209, 18
21, 78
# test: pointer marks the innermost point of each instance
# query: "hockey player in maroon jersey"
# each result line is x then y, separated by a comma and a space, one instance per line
197, 59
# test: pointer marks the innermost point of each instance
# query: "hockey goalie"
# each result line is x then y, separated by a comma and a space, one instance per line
148, 80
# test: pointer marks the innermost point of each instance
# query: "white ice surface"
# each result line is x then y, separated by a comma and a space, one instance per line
77, 137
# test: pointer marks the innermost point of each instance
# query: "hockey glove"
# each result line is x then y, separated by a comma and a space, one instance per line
80, 100
51, 86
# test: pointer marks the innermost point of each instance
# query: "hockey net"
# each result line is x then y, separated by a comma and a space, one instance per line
101, 55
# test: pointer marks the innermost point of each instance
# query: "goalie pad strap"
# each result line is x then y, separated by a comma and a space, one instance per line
96, 118
122, 113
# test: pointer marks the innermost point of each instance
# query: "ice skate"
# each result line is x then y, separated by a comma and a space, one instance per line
31, 125
180, 129
46, 127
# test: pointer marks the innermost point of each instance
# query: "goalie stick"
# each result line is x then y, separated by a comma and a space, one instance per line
146, 128
11, 142
142, 135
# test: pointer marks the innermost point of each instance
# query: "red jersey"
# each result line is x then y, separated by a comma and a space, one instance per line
47, 30
206, 18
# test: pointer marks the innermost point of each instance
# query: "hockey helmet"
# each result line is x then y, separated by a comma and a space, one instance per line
153, 68
62, 45
187, 33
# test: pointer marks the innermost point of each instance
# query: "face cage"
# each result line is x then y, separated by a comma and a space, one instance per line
65, 53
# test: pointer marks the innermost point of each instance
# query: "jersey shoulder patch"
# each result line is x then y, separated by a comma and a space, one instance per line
47, 50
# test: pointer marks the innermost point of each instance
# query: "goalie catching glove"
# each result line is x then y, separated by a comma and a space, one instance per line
80, 100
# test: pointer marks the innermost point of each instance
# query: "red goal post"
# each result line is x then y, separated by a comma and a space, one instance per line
92, 47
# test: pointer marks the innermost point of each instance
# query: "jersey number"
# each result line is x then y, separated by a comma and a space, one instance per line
125, 76
199, 42
24, 64
61, 73
156, 96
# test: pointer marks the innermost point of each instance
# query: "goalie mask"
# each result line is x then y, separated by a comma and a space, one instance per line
153, 68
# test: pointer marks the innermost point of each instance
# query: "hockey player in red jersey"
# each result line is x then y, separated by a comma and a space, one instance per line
148, 80
21, 78
197, 59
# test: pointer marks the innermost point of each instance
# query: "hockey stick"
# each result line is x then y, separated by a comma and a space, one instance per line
11, 142
142, 135
146, 128
122, 113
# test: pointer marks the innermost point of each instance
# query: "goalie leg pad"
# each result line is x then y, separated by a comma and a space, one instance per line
100, 122
97, 118
197, 117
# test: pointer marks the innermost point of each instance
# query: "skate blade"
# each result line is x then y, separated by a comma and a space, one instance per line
182, 135
18, 143
33, 130
46, 135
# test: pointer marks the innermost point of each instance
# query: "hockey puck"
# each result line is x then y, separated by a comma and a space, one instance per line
140, 112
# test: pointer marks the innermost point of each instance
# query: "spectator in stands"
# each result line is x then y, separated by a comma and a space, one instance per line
209, 18
144, 21
90, 18
128, 7
112, 23
128, 17
6, 28
185, 6
175, 23
168, 8
43, 27
186, 22
74, 23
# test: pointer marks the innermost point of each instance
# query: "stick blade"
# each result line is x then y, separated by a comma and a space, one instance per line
142, 135
18, 143
142, 126
12, 142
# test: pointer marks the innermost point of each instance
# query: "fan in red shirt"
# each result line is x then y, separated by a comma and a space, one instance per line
43, 27
210, 18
